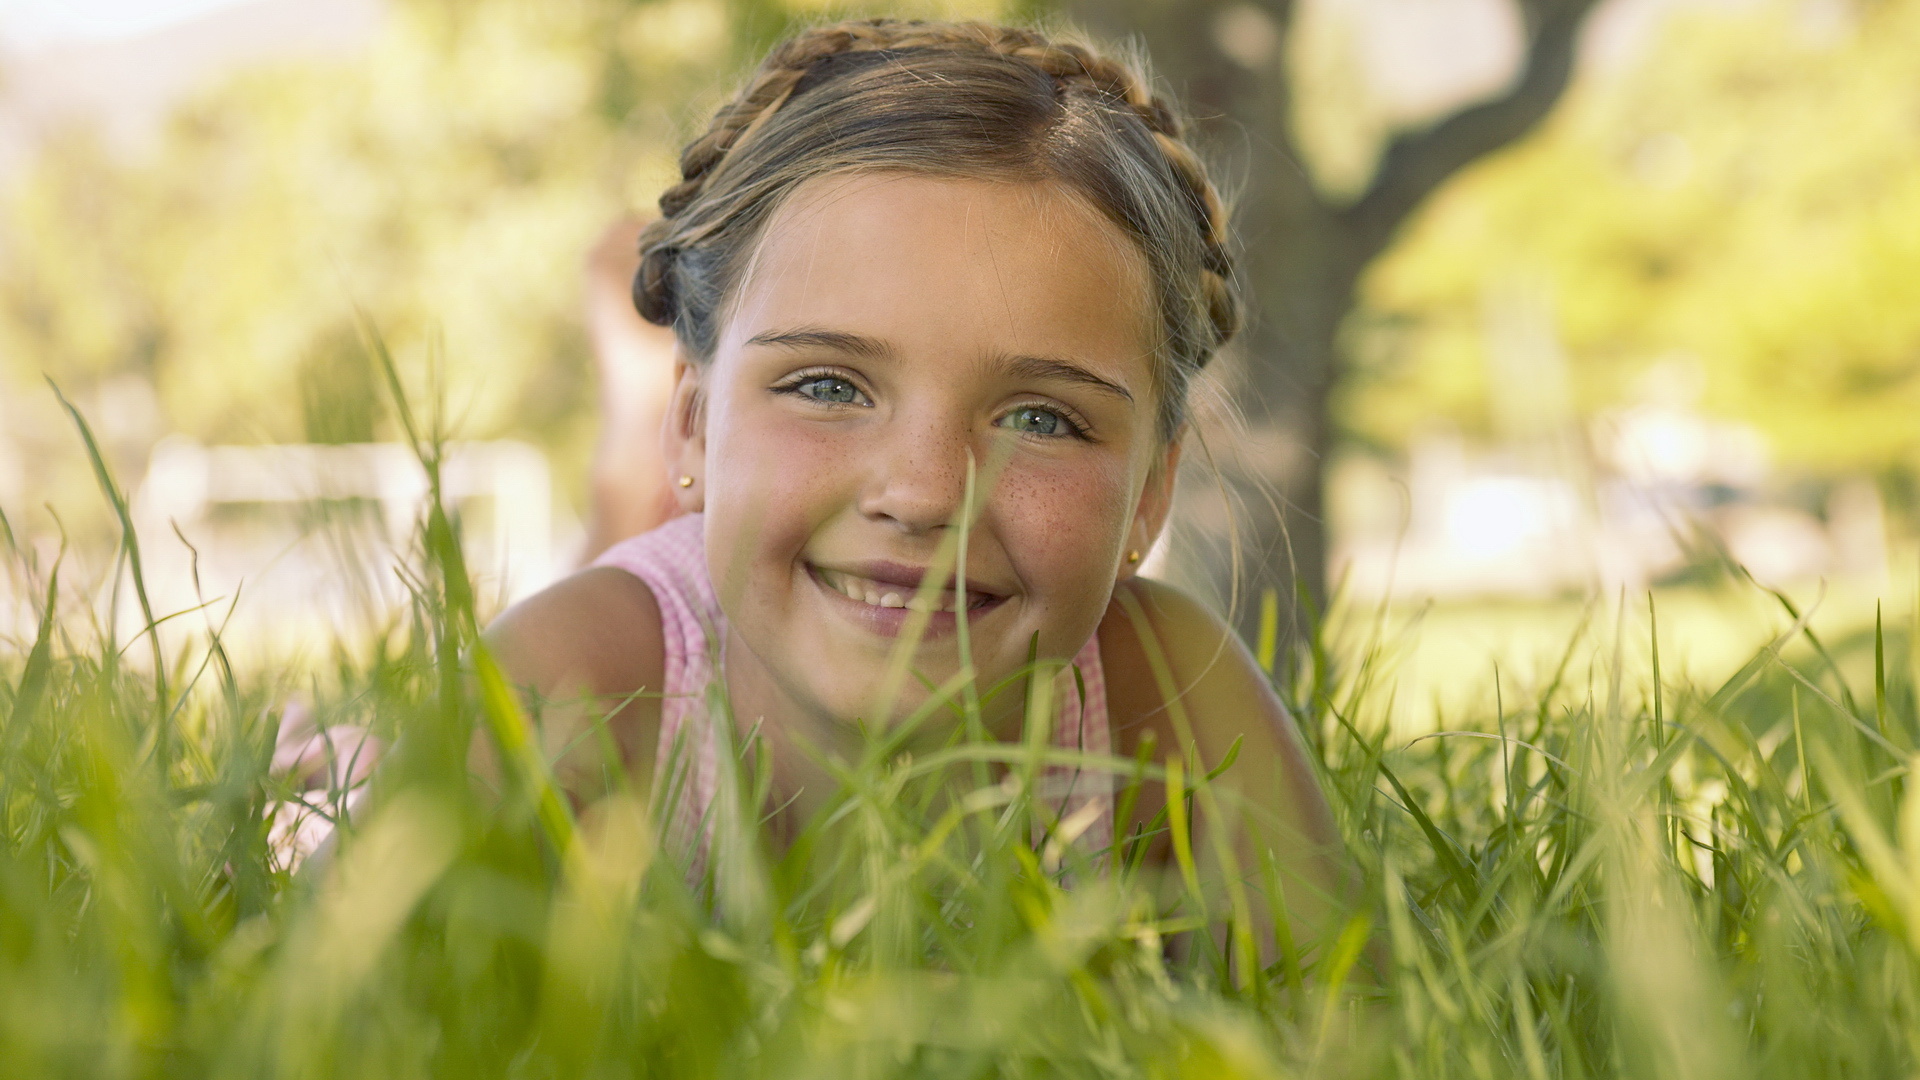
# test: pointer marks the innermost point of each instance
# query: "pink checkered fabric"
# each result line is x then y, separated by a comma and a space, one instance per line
672, 562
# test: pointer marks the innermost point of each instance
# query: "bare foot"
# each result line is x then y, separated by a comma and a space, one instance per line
633, 362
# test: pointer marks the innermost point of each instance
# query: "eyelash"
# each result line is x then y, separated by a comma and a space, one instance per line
798, 379
1076, 427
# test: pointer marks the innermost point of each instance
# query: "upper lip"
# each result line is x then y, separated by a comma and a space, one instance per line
906, 577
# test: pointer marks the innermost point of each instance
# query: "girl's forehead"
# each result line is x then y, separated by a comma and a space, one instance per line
1010, 267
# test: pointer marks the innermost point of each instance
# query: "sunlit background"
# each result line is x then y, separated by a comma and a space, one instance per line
1674, 330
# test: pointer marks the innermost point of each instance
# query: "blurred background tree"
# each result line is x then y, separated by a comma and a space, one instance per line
1311, 223
1745, 199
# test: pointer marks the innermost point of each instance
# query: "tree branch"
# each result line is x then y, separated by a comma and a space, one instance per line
1416, 163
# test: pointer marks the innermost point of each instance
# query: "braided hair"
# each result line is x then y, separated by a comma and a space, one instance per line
955, 100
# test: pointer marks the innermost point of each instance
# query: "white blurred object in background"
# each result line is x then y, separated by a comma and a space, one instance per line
317, 535
1642, 494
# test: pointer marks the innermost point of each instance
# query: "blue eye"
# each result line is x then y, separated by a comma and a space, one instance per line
830, 389
1033, 420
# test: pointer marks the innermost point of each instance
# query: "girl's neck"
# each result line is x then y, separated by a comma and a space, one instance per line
800, 739
797, 737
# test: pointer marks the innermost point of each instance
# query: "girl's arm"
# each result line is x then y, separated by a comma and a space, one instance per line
580, 650
1222, 695
587, 650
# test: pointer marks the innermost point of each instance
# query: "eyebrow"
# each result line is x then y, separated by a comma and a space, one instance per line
808, 337
1044, 367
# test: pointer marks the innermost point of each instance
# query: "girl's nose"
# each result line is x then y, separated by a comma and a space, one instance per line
919, 474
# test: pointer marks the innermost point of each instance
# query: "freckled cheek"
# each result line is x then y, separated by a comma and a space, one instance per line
1063, 524
772, 480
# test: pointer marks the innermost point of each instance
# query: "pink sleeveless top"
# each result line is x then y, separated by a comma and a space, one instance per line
672, 562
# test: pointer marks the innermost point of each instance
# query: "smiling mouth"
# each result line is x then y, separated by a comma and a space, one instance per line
881, 594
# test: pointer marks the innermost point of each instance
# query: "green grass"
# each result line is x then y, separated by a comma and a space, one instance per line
1624, 875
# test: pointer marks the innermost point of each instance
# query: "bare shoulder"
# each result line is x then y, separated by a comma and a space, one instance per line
1196, 642
1165, 652
1176, 670
596, 631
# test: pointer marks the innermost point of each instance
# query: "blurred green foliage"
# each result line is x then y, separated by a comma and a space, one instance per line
1744, 194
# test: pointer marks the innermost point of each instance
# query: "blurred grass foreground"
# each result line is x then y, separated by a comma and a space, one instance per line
1614, 876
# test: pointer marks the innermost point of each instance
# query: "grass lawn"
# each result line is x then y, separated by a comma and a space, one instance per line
1442, 655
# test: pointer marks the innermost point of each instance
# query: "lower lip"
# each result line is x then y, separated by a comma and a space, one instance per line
891, 621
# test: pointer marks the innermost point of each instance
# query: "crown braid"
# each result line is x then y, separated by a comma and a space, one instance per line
1073, 69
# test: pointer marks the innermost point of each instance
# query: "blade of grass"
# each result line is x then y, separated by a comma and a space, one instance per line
130, 546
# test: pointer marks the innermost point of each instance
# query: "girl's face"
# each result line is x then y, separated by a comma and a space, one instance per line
893, 327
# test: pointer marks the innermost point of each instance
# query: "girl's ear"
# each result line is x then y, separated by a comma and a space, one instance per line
683, 438
1156, 502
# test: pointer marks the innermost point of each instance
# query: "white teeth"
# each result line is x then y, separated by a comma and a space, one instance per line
871, 594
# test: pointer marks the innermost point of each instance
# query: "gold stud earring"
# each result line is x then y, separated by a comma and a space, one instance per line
1133, 557
685, 480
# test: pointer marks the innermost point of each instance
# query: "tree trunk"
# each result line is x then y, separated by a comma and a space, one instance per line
1251, 518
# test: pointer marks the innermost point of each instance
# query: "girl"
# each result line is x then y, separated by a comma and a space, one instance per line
926, 279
